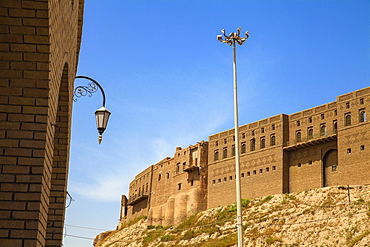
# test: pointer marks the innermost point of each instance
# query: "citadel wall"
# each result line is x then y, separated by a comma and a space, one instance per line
172, 189
326, 145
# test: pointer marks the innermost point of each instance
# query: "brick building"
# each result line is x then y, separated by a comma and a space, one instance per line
40, 42
327, 145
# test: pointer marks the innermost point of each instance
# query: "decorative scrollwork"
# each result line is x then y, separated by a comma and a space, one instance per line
85, 91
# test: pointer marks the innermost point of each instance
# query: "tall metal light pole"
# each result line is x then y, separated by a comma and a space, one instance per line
231, 40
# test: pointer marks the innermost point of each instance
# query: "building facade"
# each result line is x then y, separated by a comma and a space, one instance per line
40, 42
327, 145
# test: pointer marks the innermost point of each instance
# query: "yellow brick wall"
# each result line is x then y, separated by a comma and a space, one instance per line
39, 48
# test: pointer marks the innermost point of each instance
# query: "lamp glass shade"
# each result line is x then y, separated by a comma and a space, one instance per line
102, 117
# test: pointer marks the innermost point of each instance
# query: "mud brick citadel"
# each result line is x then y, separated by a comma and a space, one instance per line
327, 145
40, 43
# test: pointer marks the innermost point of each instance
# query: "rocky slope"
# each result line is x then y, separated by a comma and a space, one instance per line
321, 217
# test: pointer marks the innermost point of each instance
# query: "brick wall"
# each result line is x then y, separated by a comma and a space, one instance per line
39, 44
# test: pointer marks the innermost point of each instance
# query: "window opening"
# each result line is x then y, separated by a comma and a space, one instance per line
348, 120
216, 155
362, 116
244, 148
322, 130
263, 142
310, 133
253, 144
272, 140
224, 153
298, 136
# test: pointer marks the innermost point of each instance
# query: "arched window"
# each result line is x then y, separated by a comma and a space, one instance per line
177, 168
310, 133
298, 136
159, 177
244, 148
272, 140
167, 175
216, 155
322, 130
233, 150
348, 120
335, 126
224, 153
362, 116
263, 142
253, 144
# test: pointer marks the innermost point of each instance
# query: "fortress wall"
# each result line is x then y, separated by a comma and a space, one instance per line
261, 159
261, 174
322, 120
306, 167
273, 161
354, 139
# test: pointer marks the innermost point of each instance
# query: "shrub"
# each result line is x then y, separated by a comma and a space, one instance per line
167, 238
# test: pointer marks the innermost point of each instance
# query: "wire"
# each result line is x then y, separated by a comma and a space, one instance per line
74, 236
84, 227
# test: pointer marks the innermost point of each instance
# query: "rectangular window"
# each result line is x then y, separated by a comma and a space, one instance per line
248, 174
349, 150
273, 168
362, 147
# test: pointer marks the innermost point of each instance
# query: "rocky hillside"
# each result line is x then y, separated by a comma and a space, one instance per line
321, 217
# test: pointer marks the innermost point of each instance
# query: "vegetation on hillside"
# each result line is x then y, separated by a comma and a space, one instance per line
322, 217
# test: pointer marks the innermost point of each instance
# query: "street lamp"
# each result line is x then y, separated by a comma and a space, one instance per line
102, 114
231, 40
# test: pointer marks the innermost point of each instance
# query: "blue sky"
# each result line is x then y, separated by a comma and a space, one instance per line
168, 82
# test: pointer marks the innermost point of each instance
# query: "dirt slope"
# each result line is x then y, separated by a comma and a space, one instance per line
321, 217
